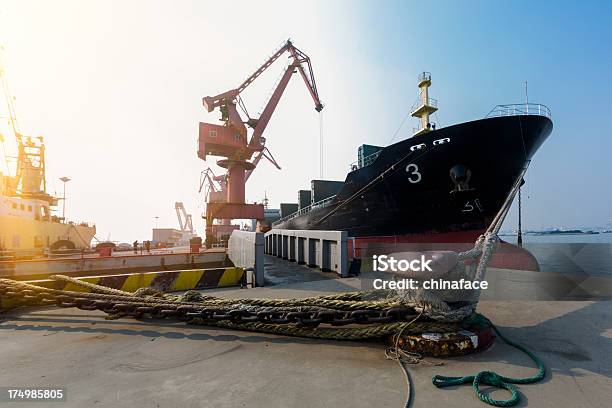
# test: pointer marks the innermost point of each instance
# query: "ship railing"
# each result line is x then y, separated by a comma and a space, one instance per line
305, 210
369, 159
80, 223
424, 76
430, 102
59, 220
519, 109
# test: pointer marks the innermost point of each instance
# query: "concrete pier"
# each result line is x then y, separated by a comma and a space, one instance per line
147, 363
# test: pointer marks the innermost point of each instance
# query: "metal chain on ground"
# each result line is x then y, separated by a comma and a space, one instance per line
296, 319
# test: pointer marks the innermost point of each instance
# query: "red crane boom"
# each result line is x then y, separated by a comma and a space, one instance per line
230, 140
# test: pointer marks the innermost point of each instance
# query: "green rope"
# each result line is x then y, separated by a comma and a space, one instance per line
491, 377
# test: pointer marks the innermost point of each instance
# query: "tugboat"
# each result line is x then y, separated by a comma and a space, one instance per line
440, 185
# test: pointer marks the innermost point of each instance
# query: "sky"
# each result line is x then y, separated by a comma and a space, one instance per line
115, 87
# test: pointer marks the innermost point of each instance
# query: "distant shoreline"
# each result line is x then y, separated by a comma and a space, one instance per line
544, 233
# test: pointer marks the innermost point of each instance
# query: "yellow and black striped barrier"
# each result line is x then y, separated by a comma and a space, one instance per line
165, 281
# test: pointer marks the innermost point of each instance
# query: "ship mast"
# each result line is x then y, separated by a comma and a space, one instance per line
30, 175
425, 106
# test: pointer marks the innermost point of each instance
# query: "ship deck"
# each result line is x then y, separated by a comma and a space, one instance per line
144, 363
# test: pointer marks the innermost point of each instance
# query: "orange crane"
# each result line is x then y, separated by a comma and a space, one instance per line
230, 140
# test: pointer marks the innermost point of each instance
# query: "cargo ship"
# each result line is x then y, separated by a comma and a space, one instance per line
27, 223
440, 185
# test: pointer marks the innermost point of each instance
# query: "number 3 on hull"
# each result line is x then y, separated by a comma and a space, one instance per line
413, 172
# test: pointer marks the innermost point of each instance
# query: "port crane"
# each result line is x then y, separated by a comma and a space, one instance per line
231, 142
30, 172
184, 219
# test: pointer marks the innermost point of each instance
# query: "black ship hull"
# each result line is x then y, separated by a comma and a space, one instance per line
450, 181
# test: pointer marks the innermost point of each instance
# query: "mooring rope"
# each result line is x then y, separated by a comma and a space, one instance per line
484, 247
92, 287
344, 334
397, 354
491, 377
